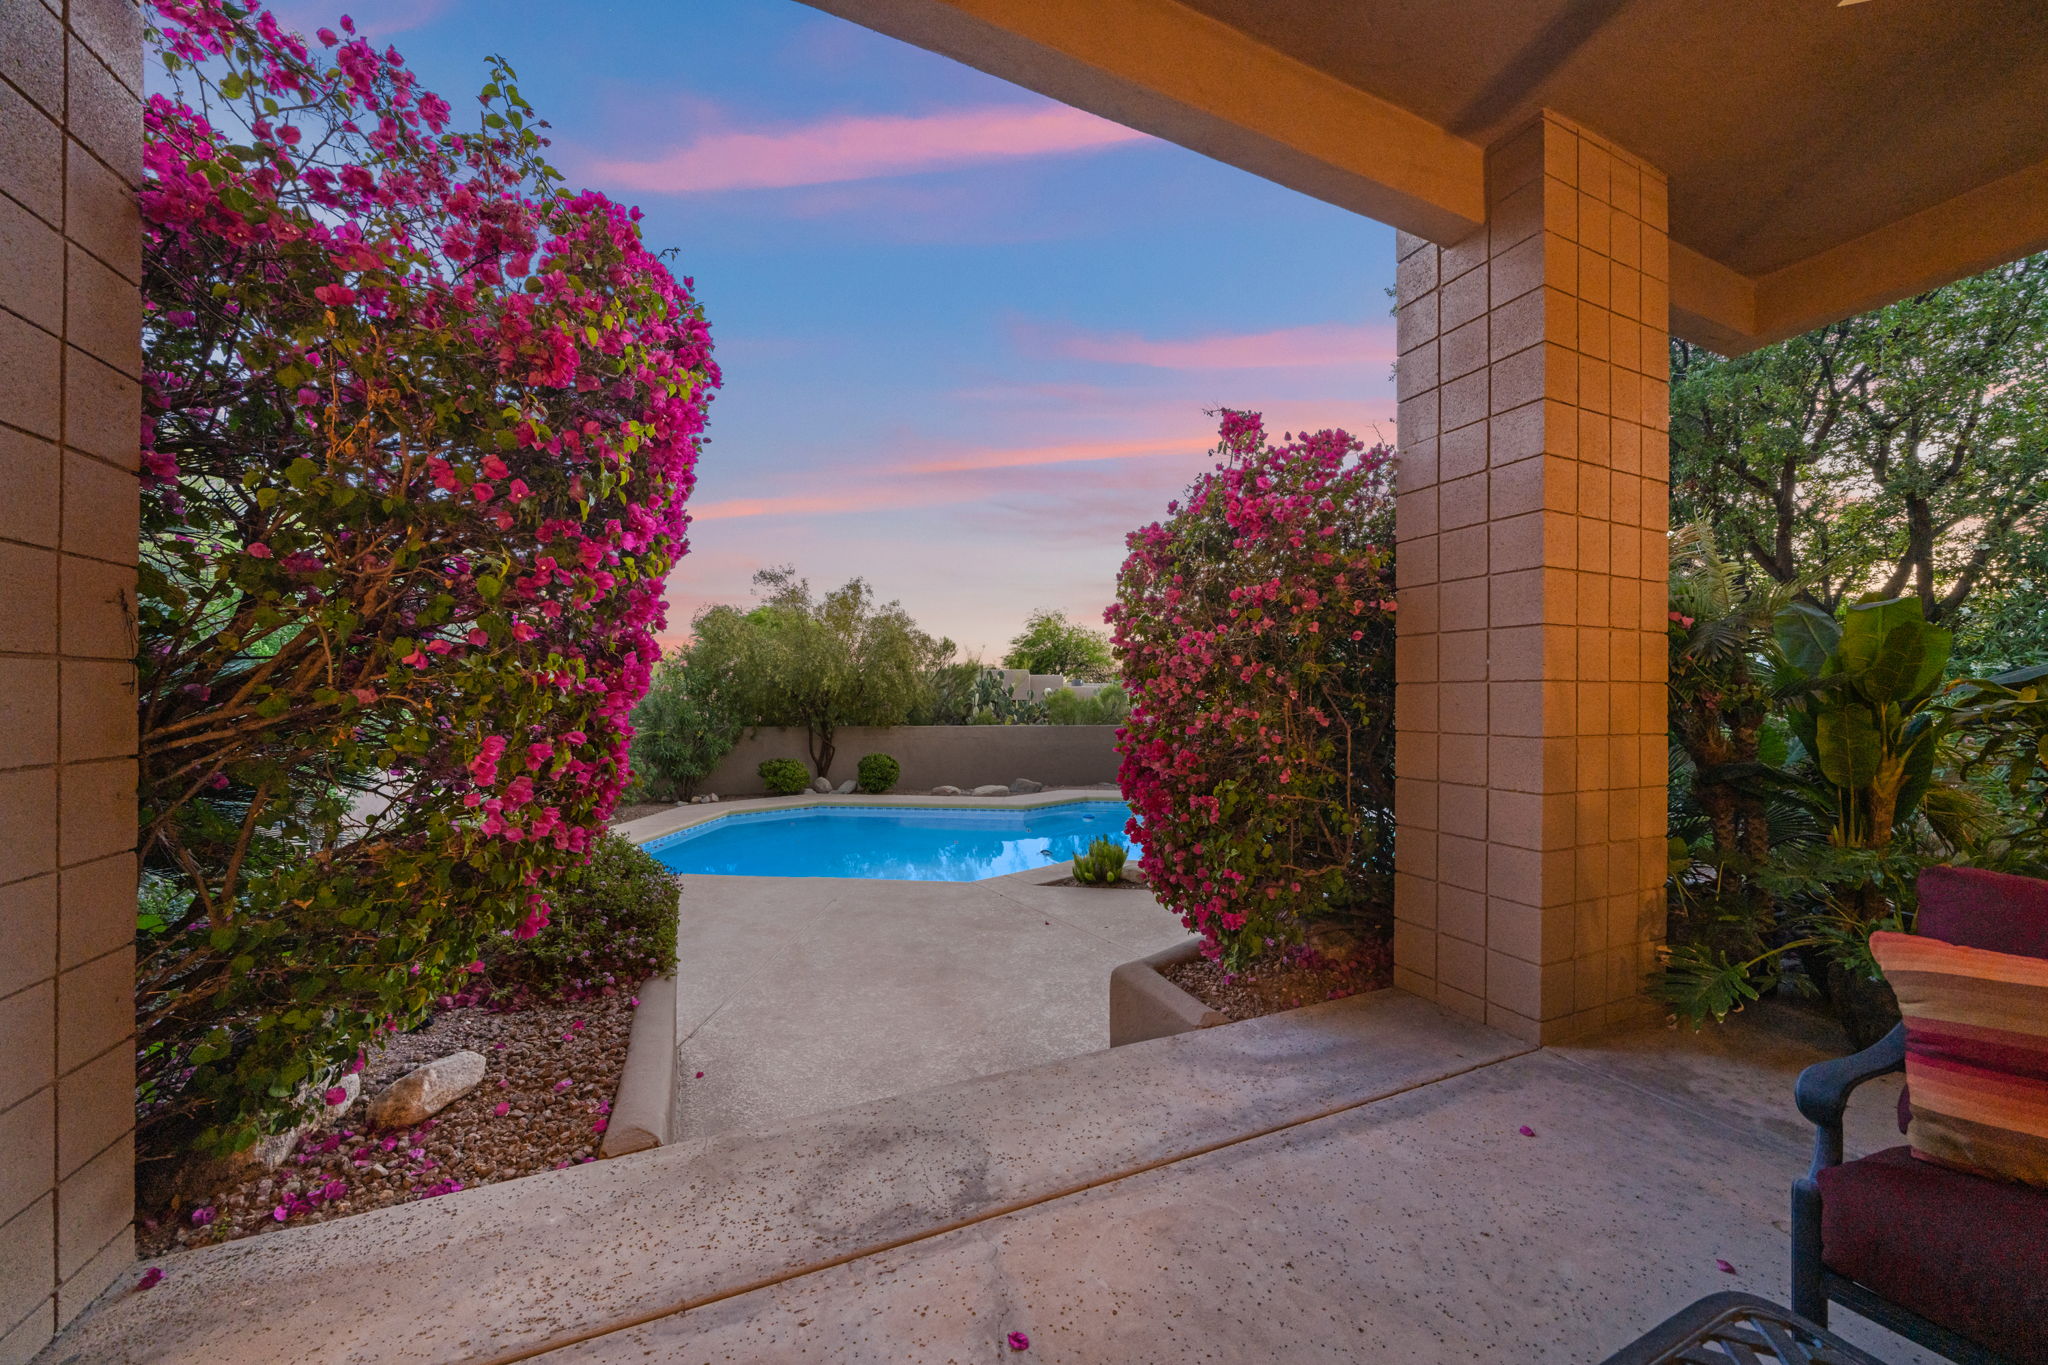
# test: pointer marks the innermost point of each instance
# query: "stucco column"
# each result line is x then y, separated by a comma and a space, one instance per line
70, 417
1533, 497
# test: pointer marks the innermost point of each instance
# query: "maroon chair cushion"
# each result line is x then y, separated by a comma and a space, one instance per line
1979, 909
1957, 1249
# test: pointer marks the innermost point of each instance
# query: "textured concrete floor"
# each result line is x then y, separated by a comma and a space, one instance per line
1424, 1227
797, 995
1341, 1183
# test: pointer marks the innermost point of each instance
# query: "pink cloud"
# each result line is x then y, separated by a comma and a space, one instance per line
1076, 452
864, 147
1287, 347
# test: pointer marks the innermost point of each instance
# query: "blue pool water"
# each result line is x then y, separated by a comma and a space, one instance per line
899, 843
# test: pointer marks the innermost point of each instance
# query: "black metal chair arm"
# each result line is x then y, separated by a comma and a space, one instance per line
1822, 1091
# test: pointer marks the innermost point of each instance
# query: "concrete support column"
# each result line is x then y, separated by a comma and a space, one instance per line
1533, 497
70, 419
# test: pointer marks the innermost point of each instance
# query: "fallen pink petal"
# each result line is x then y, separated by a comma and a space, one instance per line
1019, 1342
151, 1278
1726, 1269
1526, 1131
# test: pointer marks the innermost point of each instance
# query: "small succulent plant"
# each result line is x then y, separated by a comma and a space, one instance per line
1102, 864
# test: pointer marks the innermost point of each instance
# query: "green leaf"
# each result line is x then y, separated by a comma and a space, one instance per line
1866, 625
1806, 635
1848, 745
1893, 669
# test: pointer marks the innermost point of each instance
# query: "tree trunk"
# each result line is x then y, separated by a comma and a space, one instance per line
819, 738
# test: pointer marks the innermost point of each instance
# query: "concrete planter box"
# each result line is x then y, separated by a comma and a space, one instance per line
1143, 1004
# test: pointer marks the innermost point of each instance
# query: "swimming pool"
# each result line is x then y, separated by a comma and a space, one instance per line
896, 843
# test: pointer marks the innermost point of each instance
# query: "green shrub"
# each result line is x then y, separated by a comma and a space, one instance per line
878, 773
1102, 864
784, 776
1065, 706
681, 728
614, 924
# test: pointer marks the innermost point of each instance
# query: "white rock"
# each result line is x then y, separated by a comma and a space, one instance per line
270, 1152
822, 785
711, 798
992, 789
351, 1086
1024, 786
947, 791
846, 788
426, 1090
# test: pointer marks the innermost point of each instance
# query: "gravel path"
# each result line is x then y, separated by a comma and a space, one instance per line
551, 1074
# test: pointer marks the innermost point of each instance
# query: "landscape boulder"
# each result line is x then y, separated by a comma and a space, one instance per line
1024, 786
992, 789
947, 791
426, 1090
846, 788
271, 1150
822, 785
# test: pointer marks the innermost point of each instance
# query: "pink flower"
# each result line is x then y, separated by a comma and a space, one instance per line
502, 1110
1019, 1342
564, 1083
335, 295
335, 1095
258, 550
151, 1278
599, 1126
700, 1075
202, 1215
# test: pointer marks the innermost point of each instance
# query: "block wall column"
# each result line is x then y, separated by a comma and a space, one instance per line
1533, 498
70, 413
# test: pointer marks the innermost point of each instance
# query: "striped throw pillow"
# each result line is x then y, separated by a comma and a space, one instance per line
1976, 1054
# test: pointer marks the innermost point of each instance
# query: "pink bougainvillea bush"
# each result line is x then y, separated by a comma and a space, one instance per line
1254, 627
419, 430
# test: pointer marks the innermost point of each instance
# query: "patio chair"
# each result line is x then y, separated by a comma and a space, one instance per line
1954, 1261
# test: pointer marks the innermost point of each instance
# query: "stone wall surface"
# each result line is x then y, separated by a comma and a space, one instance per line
1533, 496
965, 756
70, 414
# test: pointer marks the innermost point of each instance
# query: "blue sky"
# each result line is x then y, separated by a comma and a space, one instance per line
968, 335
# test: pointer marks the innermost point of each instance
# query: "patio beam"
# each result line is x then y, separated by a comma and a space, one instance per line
1973, 232
1167, 70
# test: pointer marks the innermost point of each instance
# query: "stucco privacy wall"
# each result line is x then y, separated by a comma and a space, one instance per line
936, 755
70, 360
1533, 496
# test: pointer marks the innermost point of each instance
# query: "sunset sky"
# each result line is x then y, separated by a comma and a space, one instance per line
969, 335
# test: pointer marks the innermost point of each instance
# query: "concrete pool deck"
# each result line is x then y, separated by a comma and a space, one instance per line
800, 994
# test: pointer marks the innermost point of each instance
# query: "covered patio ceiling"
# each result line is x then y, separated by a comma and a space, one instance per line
1823, 159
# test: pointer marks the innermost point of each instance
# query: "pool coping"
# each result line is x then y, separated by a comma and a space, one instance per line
658, 826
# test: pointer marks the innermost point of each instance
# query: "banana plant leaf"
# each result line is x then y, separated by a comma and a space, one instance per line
1806, 636
1848, 745
1866, 625
1907, 665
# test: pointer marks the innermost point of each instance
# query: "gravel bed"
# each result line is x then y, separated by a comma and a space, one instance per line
1285, 985
552, 1070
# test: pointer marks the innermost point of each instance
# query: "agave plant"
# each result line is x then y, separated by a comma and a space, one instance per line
1102, 864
